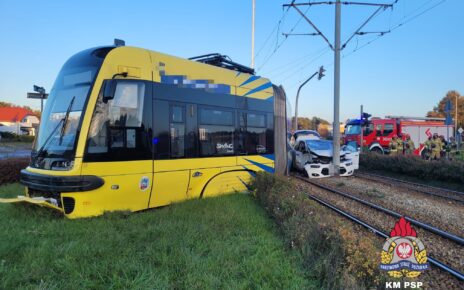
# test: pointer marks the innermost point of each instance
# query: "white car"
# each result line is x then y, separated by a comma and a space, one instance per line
315, 157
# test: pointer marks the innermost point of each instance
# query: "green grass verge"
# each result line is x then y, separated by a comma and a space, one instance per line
225, 242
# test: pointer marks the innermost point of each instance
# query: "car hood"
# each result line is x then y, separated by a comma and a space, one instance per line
327, 153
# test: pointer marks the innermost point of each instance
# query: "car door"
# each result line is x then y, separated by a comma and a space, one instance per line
299, 155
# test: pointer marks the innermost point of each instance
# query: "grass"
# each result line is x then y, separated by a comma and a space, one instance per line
374, 193
225, 242
334, 251
431, 182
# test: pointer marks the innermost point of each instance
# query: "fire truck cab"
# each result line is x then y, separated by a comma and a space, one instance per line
377, 132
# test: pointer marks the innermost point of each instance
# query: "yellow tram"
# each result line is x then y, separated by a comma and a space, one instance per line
126, 128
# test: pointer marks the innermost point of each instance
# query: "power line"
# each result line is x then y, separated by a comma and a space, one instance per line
276, 27
406, 19
280, 44
272, 33
274, 70
305, 65
396, 26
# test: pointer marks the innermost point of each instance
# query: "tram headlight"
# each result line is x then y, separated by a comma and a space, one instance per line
63, 165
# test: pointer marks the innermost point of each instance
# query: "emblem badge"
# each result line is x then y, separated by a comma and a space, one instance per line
403, 254
144, 183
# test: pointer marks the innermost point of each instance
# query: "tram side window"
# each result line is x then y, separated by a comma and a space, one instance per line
252, 139
216, 132
177, 131
117, 125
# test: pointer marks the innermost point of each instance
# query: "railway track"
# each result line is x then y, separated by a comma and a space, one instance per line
444, 193
449, 236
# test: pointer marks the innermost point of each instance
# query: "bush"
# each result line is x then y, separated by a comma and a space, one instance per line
12, 137
442, 170
332, 251
10, 169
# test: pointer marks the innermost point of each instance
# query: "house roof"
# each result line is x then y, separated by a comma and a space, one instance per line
14, 114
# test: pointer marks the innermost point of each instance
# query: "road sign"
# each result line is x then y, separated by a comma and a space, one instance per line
460, 130
449, 120
37, 96
448, 106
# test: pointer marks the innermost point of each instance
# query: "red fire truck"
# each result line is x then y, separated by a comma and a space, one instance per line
377, 133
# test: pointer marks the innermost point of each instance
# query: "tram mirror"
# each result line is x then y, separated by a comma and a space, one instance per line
108, 90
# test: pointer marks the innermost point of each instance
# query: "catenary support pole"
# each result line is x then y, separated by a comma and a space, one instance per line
336, 122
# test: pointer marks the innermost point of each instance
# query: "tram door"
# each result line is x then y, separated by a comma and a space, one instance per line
119, 146
170, 137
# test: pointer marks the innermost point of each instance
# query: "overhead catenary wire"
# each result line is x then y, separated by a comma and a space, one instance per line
412, 15
297, 61
278, 45
276, 27
406, 19
305, 65
272, 33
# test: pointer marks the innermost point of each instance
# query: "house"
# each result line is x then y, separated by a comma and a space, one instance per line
18, 121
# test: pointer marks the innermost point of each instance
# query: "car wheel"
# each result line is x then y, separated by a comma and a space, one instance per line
377, 150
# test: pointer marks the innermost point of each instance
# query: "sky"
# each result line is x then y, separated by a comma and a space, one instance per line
404, 72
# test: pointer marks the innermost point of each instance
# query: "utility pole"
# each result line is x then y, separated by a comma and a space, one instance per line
336, 122
337, 47
253, 35
321, 74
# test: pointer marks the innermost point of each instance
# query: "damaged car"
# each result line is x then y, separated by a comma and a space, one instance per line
314, 156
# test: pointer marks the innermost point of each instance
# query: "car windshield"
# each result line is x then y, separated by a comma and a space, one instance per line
319, 144
352, 130
351, 146
57, 136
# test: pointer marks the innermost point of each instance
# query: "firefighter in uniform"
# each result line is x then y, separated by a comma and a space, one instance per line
428, 148
408, 146
436, 147
394, 145
399, 141
445, 147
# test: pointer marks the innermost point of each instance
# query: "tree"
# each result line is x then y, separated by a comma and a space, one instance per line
439, 110
5, 105
305, 123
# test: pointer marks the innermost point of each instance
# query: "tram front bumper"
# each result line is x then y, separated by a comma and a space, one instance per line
40, 201
45, 190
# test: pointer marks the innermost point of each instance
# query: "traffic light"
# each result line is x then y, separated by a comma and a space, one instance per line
365, 116
39, 90
321, 73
